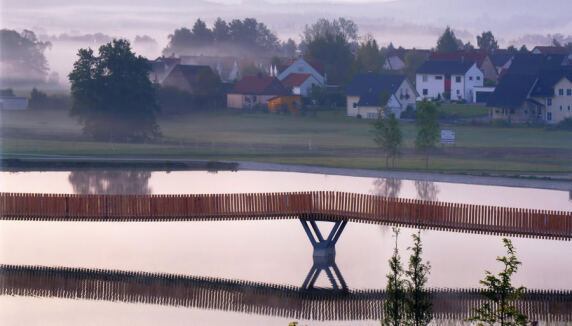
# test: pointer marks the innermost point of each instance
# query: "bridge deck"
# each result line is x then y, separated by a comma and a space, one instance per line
252, 297
314, 205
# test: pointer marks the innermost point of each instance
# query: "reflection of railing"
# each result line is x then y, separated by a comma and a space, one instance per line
320, 205
250, 297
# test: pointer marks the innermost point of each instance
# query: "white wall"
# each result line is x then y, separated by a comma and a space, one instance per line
473, 77
350, 100
560, 100
433, 86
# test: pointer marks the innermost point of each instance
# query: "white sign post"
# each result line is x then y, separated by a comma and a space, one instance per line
447, 136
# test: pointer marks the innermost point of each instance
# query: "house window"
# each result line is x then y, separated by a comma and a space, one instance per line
355, 105
424, 78
478, 77
471, 78
568, 108
548, 101
425, 91
372, 115
458, 92
526, 112
549, 116
569, 92
561, 108
438, 77
561, 92
511, 111
458, 79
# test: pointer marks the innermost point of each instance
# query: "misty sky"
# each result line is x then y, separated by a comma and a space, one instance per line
410, 23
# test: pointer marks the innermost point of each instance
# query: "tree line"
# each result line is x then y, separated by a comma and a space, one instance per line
237, 37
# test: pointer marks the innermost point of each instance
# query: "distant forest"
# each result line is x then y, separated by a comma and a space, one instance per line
235, 38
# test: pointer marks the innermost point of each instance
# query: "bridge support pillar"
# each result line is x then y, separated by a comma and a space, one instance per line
324, 254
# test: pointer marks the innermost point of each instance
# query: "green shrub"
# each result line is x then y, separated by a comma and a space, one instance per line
500, 123
565, 124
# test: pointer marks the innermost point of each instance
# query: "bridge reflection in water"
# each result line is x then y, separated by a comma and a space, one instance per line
251, 297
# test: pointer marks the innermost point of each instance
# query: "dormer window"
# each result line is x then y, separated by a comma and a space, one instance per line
561, 92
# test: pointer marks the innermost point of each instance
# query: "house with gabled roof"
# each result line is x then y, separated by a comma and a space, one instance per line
365, 94
255, 90
395, 59
301, 66
481, 58
161, 67
458, 78
191, 78
300, 84
549, 50
542, 97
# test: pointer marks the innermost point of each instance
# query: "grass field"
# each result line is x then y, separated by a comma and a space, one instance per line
328, 139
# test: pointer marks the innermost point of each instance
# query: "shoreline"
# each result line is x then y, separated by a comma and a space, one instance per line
59, 163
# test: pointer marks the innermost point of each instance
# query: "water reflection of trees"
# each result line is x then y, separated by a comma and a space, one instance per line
110, 182
426, 190
386, 187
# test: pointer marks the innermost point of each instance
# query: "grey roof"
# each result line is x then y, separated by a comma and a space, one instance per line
512, 91
445, 67
500, 59
547, 79
529, 63
369, 87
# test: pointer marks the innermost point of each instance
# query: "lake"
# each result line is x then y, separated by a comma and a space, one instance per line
275, 252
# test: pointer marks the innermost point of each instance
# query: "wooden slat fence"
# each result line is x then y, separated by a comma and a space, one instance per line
319, 205
253, 297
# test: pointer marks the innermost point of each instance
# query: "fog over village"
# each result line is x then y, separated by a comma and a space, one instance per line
286, 162
407, 23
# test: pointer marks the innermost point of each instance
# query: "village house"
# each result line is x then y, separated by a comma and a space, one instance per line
395, 60
481, 58
549, 50
251, 91
161, 67
300, 84
502, 60
435, 79
300, 66
193, 79
365, 94
527, 98
226, 67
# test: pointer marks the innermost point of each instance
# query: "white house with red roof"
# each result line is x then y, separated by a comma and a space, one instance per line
301, 66
300, 84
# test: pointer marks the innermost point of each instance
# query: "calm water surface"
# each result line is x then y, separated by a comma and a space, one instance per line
276, 252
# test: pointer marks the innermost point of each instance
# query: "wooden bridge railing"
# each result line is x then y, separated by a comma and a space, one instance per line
321, 205
551, 306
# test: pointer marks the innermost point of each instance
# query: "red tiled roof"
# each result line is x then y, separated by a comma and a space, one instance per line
477, 56
259, 86
295, 80
318, 66
551, 49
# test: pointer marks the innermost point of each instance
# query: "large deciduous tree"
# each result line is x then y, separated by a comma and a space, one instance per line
368, 57
113, 97
22, 58
486, 42
388, 136
329, 43
448, 42
501, 295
